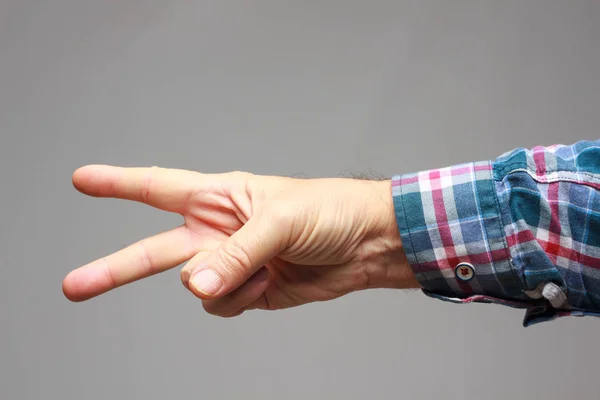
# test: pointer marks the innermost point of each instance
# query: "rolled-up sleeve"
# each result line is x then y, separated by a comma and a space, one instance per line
521, 230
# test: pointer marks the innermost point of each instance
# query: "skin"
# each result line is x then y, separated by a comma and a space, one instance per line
267, 242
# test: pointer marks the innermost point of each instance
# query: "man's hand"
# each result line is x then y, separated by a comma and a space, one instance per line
251, 242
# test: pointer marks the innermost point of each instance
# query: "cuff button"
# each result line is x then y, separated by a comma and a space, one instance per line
464, 272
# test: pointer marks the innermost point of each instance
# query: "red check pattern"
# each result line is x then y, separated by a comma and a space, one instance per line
528, 223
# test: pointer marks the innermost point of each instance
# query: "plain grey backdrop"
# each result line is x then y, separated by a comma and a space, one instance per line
319, 88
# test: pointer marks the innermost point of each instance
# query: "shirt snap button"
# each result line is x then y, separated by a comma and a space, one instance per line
464, 271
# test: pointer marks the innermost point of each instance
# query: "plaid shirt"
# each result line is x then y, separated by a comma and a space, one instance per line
523, 230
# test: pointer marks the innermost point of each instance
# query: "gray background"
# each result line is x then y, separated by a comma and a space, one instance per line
317, 88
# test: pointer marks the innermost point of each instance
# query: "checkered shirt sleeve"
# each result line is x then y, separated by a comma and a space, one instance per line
522, 230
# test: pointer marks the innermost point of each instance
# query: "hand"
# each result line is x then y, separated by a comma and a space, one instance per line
252, 242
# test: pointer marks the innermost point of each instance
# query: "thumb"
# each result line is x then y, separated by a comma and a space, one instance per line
238, 258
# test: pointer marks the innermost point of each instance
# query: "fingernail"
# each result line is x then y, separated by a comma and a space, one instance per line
261, 275
207, 282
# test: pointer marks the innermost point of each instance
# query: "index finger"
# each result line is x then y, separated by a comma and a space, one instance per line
163, 188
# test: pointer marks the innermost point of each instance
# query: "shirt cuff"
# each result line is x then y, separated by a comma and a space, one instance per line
452, 232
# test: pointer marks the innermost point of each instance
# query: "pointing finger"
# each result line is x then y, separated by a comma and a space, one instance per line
166, 189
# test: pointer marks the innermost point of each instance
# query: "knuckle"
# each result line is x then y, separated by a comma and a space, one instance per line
242, 175
148, 181
145, 259
233, 257
280, 212
110, 275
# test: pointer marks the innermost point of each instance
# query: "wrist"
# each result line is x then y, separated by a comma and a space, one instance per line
384, 258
